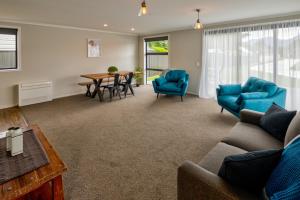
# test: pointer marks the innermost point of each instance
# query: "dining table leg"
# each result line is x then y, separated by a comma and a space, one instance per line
97, 89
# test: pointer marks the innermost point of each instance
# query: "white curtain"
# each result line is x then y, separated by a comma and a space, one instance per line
268, 51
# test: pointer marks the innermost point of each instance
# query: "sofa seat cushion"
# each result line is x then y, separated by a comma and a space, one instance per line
229, 101
170, 87
251, 138
214, 159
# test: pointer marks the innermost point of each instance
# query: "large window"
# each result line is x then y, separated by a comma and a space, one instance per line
268, 51
9, 49
156, 57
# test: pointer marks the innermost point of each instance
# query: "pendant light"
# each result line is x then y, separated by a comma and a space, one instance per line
143, 9
198, 25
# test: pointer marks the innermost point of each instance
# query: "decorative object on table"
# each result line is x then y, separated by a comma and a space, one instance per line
112, 69
256, 94
138, 76
14, 141
32, 158
175, 82
93, 48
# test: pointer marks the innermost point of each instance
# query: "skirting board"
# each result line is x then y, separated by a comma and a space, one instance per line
193, 93
55, 97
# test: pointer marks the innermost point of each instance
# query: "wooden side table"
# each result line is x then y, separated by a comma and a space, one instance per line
44, 183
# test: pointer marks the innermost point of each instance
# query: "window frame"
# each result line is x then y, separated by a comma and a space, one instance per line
18, 50
155, 38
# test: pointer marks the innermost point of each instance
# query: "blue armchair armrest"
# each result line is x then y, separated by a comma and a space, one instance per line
185, 85
184, 88
160, 81
232, 89
155, 86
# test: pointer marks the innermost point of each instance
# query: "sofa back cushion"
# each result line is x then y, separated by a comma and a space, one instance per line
293, 129
175, 75
259, 85
276, 121
285, 178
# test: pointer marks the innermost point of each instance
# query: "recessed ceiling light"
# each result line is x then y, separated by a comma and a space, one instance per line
105, 25
132, 29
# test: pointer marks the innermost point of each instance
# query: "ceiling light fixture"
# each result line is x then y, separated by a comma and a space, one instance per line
143, 9
132, 29
105, 25
198, 25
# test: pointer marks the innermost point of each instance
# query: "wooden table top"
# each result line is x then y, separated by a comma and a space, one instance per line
29, 182
103, 75
12, 117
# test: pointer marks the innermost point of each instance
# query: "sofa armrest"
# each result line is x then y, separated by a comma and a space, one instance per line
250, 116
184, 88
195, 182
154, 84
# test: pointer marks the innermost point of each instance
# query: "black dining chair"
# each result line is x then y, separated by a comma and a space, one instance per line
113, 87
127, 84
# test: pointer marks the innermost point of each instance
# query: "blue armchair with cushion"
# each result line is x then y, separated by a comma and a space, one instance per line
256, 94
175, 82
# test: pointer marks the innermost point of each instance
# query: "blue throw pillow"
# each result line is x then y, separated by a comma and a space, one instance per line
250, 170
284, 182
160, 81
276, 121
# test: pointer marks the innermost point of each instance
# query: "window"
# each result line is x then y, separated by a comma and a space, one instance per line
156, 57
9, 49
269, 51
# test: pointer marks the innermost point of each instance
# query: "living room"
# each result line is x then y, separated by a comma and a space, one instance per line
147, 99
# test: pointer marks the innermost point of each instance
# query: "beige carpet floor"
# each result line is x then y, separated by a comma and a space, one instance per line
131, 148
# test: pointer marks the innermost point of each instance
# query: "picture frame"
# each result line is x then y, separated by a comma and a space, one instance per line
93, 48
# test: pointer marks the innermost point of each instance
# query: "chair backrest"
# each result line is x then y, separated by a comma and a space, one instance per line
129, 79
116, 80
254, 84
175, 75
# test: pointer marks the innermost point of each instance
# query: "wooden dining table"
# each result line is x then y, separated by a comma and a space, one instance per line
98, 78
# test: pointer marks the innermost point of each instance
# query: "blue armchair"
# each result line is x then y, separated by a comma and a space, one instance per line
175, 82
256, 94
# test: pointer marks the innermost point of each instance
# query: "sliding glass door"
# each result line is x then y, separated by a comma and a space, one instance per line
156, 57
269, 51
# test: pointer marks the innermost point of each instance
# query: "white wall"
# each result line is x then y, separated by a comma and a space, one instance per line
185, 52
60, 55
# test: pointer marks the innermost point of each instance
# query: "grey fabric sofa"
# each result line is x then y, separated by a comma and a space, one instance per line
201, 181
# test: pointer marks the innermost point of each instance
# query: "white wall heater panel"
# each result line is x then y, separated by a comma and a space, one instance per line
37, 92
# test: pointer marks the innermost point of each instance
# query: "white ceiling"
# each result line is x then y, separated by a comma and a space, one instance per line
121, 15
